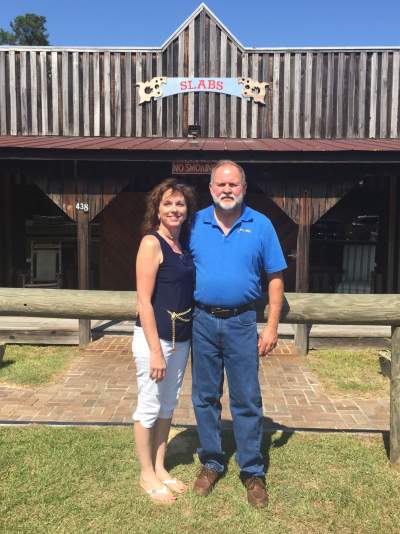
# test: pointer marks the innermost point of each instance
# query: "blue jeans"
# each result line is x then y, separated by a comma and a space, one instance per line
229, 344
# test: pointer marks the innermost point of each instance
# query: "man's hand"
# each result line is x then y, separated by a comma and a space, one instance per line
268, 337
267, 340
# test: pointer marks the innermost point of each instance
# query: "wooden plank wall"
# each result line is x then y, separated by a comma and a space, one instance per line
66, 183
324, 193
67, 189
312, 94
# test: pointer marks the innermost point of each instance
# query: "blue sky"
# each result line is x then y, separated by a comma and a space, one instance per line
260, 23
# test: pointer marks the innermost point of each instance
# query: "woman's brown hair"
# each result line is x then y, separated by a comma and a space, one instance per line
151, 221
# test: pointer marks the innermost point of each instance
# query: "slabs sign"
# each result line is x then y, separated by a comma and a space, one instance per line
162, 86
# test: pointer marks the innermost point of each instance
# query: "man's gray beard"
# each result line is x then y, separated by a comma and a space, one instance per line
238, 201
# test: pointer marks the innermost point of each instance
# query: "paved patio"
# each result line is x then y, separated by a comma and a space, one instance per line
100, 387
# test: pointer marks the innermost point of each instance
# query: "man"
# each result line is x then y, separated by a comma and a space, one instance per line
231, 245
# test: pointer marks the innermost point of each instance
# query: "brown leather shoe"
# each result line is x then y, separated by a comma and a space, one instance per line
256, 491
205, 481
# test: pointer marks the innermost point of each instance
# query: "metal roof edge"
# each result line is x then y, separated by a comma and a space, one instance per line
158, 49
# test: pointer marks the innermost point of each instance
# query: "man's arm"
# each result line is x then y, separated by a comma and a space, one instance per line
268, 337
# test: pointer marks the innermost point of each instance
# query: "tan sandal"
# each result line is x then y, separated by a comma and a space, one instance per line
152, 492
173, 482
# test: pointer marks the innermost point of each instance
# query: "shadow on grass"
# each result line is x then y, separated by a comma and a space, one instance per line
6, 363
385, 366
182, 448
386, 442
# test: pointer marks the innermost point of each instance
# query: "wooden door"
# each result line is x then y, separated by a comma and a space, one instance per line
120, 236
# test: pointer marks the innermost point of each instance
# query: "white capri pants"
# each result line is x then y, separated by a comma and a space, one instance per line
157, 400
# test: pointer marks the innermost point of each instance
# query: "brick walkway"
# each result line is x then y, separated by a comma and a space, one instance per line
100, 387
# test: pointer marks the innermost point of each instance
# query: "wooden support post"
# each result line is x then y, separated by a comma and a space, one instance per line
398, 235
395, 399
392, 228
8, 229
2, 351
83, 270
2, 236
301, 338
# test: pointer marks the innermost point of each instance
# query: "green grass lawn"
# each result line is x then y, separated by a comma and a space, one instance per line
361, 372
35, 365
69, 480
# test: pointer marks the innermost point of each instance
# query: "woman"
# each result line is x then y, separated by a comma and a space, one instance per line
165, 280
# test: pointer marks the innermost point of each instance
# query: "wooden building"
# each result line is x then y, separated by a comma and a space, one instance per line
78, 152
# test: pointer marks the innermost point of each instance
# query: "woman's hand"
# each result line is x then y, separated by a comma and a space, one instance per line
158, 366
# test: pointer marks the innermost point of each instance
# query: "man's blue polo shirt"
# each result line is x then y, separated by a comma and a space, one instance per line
228, 268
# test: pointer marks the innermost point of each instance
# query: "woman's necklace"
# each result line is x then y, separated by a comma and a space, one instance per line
168, 236
174, 241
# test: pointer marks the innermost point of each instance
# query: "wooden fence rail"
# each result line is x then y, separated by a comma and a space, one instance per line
300, 308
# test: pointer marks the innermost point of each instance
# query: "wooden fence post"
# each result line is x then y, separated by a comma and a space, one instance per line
395, 399
302, 338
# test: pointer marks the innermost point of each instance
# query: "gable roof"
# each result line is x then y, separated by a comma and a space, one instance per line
207, 10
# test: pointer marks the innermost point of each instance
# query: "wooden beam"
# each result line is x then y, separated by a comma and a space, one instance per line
2, 235
83, 270
321, 308
41, 336
391, 159
8, 229
392, 229
395, 399
303, 244
301, 338
68, 194
83, 249
398, 237
323, 193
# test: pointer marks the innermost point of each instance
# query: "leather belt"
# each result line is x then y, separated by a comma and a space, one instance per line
221, 312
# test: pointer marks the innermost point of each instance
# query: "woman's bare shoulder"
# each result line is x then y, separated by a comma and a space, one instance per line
150, 242
150, 248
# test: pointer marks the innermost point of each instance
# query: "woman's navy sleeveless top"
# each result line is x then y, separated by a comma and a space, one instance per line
173, 292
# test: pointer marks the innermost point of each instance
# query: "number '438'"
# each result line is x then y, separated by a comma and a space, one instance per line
82, 206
